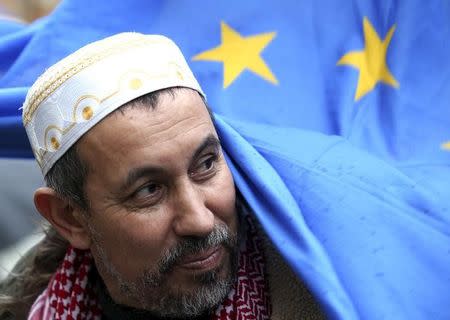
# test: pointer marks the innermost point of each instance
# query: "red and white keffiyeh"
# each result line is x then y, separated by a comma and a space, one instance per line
249, 298
69, 295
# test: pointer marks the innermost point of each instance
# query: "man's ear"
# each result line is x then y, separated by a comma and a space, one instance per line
64, 217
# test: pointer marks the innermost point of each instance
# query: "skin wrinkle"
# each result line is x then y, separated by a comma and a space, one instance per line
130, 244
135, 175
169, 138
105, 150
161, 122
105, 262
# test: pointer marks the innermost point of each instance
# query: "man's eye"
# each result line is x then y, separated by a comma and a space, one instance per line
148, 191
208, 164
205, 168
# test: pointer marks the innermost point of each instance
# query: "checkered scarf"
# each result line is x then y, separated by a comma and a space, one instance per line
70, 296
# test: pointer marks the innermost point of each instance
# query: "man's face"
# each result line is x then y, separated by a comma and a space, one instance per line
162, 215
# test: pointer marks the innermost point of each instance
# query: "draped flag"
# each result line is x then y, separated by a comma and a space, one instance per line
335, 119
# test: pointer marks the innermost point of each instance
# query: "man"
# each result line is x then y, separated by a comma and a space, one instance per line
145, 219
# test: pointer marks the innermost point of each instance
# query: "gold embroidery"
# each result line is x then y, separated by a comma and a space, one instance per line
38, 156
87, 113
62, 131
80, 99
55, 143
137, 76
135, 84
86, 59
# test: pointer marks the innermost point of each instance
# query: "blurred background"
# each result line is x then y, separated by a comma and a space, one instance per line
26, 10
20, 224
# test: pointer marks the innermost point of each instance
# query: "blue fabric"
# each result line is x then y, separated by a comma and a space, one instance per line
354, 193
370, 242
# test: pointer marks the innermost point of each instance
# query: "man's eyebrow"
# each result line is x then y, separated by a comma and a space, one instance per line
137, 173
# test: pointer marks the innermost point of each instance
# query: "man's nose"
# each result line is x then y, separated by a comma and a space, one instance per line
193, 218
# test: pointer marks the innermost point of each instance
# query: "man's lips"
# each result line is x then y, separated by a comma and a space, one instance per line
208, 259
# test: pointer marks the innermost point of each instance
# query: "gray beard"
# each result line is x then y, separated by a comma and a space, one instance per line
187, 306
153, 289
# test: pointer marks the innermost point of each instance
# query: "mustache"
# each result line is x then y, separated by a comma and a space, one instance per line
220, 235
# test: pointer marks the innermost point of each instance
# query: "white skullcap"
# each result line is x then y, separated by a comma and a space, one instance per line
80, 90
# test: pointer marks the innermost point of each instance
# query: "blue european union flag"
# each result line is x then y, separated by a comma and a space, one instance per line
335, 119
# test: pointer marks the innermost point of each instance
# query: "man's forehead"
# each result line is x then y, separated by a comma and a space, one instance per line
165, 103
179, 122
173, 110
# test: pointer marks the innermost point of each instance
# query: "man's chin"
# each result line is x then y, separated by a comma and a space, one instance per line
189, 293
200, 295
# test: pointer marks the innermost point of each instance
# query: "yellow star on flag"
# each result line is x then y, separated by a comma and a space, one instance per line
446, 145
240, 53
371, 61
